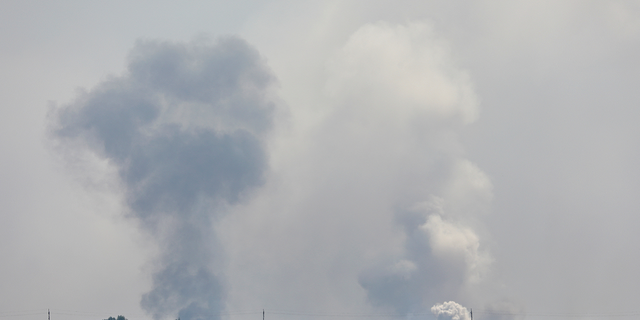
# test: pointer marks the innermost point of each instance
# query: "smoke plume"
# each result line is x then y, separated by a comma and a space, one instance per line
398, 86
184, 129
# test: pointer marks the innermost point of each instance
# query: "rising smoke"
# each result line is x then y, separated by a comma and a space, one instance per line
376, 200
184, 128
398, 86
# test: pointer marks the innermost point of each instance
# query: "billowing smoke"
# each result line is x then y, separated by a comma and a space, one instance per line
369, 200
450, 310
398, 88
184, 129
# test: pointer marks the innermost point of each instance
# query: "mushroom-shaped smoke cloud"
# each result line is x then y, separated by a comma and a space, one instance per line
184, 130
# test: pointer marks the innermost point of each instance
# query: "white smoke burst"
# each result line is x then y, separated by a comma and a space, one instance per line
450, 310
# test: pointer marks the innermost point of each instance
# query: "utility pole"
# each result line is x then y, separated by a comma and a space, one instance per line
262, 314
48, 314
471, 313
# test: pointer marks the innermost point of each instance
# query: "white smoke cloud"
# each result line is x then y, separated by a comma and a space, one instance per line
397, 102
450, 310
401, 71
456, 246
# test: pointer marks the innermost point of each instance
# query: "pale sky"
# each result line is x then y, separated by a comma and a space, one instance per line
319, 159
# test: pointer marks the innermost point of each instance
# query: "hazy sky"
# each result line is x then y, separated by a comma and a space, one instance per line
321, 159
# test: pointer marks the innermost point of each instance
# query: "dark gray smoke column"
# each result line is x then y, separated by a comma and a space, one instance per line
184, 128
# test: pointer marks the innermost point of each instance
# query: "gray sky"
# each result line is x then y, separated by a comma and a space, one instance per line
366, 157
